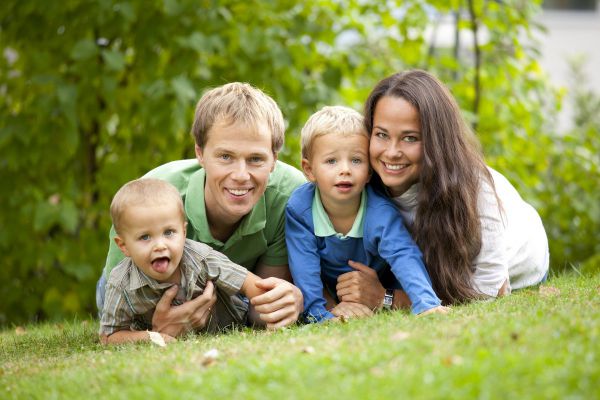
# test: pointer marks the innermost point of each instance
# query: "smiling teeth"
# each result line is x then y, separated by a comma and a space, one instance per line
395, 167
239, 192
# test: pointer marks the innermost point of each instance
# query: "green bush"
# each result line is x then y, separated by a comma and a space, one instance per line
94, 94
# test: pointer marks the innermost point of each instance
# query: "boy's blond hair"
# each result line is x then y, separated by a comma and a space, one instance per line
238, 102
143, 191
330, 119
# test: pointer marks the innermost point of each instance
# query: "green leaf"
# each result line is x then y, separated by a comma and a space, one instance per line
183, 88
114, 60
84, 49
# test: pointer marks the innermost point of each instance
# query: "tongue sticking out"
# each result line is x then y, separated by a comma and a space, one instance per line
160, 265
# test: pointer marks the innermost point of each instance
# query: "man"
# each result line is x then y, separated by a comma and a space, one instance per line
234, 195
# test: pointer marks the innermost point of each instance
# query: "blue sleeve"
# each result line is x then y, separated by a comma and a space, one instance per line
395, 245
305, 264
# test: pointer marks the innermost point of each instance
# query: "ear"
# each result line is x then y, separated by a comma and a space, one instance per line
307, 169
199, 155
121, 243
185, 228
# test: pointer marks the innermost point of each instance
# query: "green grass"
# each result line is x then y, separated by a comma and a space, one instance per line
531, 344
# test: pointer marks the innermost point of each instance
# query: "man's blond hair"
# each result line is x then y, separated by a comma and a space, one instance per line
238, 103
141, 192
330, 119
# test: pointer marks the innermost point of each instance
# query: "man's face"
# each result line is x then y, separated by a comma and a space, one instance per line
237, 160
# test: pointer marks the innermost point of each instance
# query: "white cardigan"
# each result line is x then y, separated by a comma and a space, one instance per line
514, 245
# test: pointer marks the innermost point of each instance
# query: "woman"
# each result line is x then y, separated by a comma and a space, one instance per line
479, 238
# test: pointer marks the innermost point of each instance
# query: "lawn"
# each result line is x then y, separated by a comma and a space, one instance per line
537, 343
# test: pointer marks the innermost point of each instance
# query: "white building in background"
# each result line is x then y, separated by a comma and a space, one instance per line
573, 31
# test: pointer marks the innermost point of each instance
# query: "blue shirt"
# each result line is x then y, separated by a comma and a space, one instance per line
316, 260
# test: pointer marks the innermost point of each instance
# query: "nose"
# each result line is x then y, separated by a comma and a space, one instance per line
240, 172
159, 244
394, 150
344, 167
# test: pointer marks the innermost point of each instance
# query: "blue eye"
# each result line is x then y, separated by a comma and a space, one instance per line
381, 135
256, 160
331, 161
356, 161
225, 157
144, 237
169, 232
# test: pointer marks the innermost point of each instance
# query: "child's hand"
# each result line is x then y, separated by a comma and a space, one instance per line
436, 310
348, 309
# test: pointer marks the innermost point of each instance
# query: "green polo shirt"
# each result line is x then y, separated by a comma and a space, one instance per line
261, 233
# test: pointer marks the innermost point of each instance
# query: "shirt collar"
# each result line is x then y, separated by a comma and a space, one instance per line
195, 209
323, 225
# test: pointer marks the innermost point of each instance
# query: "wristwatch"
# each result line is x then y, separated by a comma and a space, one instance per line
388, 299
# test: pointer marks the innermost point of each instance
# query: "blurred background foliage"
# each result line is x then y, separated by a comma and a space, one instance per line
96, 93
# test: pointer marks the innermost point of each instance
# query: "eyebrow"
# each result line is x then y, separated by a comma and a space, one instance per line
402, 132
234, 151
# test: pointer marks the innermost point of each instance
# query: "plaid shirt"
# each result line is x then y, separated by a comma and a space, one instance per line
132, 296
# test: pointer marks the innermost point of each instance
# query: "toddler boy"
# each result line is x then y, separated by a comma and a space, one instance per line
335, 219
150, 223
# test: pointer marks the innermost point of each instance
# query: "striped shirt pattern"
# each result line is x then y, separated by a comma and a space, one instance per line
132, 296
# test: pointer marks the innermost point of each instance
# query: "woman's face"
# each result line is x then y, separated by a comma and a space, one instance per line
396, 148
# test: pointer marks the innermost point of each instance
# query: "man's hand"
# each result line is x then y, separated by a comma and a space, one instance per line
177, 320
360, 286
351, 310
280, 305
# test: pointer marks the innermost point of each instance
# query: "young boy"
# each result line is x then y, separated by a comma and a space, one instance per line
334, 219
150, 222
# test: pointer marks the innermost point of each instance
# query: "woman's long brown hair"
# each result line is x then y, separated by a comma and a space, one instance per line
447, 227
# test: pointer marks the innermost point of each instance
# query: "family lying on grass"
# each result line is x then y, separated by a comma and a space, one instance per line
250, 219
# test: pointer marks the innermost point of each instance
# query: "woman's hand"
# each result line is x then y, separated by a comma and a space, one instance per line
351, 310
360, 286
436, 310
177, 320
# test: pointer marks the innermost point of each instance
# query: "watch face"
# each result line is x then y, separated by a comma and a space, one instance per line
387, 301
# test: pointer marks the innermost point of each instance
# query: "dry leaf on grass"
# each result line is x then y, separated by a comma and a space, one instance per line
210, 357
19, 330
452, 360
400, 335
549, 291
308, 350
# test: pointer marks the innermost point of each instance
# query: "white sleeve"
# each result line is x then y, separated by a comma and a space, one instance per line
491, 264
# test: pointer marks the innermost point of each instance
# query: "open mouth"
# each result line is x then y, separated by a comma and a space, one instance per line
160, 264
344, 187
